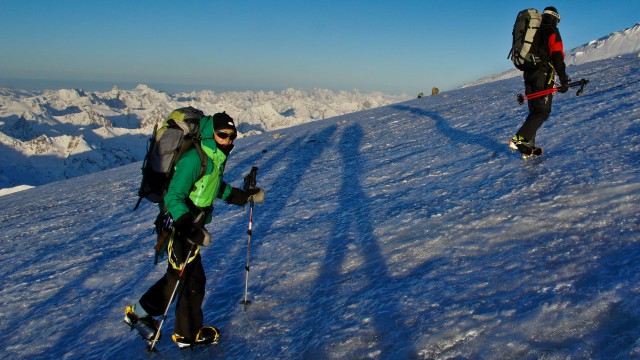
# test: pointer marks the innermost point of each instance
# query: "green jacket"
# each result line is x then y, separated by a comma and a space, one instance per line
185, 184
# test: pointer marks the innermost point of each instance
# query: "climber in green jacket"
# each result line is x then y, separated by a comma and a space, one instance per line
190, 200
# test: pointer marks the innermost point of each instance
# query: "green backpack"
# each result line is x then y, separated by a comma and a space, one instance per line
178, 133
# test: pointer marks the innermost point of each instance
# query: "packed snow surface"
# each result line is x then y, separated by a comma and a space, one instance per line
405, 231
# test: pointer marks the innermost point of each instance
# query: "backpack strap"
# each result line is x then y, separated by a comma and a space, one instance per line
203, 157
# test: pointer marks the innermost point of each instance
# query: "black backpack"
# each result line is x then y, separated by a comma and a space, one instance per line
178, 133
523, 53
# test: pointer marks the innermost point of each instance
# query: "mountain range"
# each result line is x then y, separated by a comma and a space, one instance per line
52, 135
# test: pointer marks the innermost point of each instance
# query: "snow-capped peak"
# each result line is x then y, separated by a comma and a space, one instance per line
619, 43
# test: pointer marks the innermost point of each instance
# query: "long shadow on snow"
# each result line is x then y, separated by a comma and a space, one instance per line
351, 292
458, 137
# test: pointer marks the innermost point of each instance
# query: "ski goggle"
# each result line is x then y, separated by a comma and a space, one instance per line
224, 135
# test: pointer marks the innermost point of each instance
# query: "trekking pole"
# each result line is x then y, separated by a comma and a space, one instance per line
249, 183
522, 98
173, 294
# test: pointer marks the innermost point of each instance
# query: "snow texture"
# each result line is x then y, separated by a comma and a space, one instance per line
408, 231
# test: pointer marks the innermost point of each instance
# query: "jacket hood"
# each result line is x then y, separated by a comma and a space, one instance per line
206, 134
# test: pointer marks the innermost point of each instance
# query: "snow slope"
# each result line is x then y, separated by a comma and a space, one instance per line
406, 231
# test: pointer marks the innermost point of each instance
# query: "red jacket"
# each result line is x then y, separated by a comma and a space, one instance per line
549, 43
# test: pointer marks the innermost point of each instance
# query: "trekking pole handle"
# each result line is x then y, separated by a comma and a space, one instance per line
582, 83
251, 179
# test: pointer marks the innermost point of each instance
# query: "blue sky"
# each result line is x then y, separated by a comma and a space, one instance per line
390, 46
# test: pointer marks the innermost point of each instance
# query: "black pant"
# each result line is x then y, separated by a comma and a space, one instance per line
190, 293
539, 108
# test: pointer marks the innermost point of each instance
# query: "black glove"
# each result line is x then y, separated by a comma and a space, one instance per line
564, 84
184, 223
193, 233
198, 236
241, 198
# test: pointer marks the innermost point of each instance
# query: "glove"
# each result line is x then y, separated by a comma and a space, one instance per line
256, 195
198, 236
241, 198
564, 84
184, 223
194, 233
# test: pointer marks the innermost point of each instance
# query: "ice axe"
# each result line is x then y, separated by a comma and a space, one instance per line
581, 83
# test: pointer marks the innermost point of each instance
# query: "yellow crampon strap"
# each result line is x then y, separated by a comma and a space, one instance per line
173, 260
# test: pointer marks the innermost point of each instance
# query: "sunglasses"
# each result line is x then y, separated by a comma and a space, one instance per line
224, 135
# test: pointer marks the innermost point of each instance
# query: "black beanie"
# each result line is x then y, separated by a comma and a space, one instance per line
223, 121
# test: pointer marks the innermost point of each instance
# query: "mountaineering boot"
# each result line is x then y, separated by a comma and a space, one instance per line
520, 140
206, 335
526, 148
146, 325
513, 144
